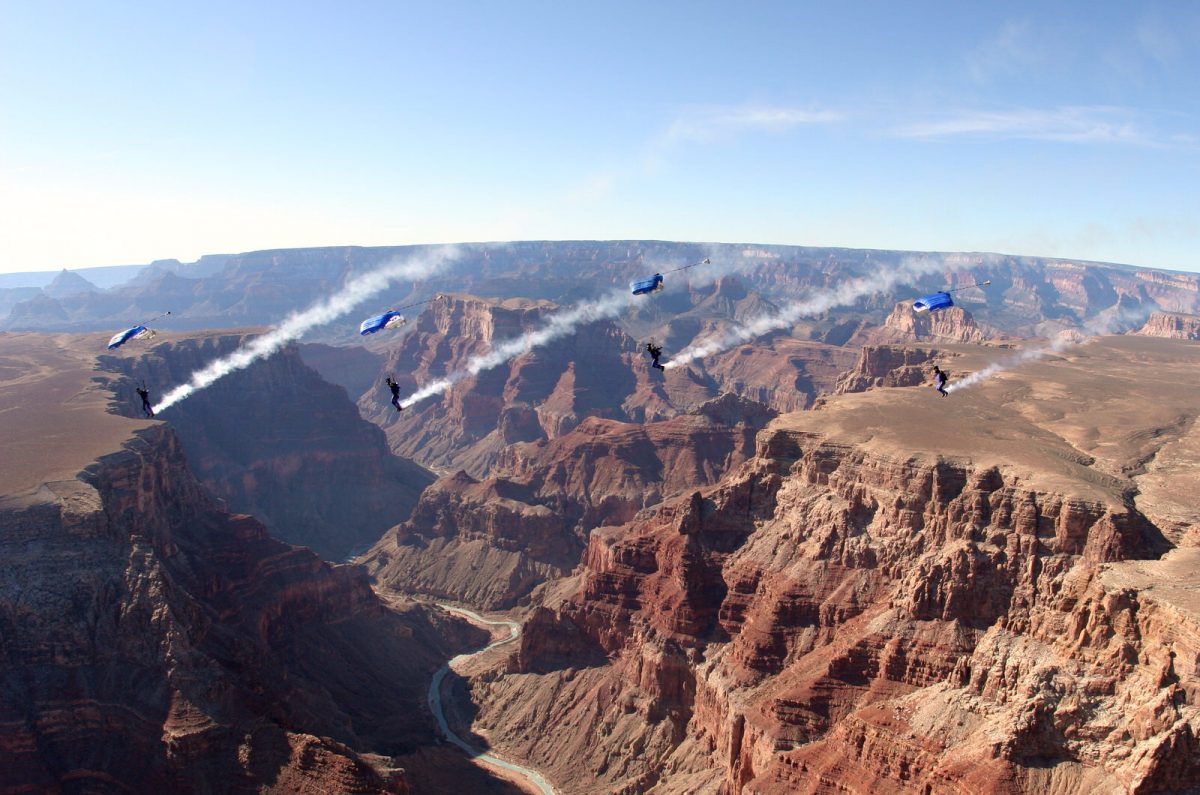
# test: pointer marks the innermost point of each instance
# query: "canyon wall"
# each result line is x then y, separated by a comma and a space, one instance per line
277, 441
850, 612
490, 542
151, 642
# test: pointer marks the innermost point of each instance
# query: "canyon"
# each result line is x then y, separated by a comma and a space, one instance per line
788, 567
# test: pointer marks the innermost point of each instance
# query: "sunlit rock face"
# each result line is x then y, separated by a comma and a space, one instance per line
277, 441
1172, 326
896, 593
150, 641
490, 542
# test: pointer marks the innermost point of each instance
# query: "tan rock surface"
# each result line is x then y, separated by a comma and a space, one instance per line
151, 642
899, 593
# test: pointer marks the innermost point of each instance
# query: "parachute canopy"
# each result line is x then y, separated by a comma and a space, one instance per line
389, 319
933, 302
651, 285
137, 332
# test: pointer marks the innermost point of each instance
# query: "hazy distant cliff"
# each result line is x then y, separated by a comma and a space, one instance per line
277, 441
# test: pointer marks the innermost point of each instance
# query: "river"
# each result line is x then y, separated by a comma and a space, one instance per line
435, 702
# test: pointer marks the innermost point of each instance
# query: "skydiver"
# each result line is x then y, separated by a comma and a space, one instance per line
392, 385
941, 377
655, 351
144, 394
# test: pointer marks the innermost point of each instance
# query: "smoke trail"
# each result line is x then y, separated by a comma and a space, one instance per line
822, 300
556, 326
358, 289
1102, 324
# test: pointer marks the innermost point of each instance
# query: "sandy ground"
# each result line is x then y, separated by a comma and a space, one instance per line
1088, 419
54, 418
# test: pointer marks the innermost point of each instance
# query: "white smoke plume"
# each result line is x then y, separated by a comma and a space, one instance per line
1101, 324
820, 301
357, 290
556, 326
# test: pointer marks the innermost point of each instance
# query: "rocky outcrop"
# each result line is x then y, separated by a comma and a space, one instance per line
68, 283
887, 366
277, 441
529, 523
151, 642
540, 394
954, 324
848, 612
1172, 326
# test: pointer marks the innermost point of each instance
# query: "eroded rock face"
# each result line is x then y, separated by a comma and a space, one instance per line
1172, 326
151, 642
277, 441
541, 394
846, 612
887, 366
954, 324
529, 522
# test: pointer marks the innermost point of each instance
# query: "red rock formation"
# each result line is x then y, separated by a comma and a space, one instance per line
528, 523
849, 612
151, 642
887, 366
277, 441
904, 325
597, 371
1172, 326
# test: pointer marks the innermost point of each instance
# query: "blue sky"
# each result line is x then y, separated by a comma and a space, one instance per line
137, 131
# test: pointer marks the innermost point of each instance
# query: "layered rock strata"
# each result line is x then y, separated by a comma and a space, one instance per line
529, 523
1172, 326
277, 441
151, 642
851, 612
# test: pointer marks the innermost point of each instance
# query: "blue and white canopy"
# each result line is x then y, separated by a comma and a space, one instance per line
933, 302
389, 319
122, 337
650, 285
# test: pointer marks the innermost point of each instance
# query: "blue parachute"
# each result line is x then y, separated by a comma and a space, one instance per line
933, 302
122, 337
141, 332
650, 285
389, 319
653, 284
942, 300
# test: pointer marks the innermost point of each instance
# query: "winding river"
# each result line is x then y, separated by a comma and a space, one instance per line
435, 702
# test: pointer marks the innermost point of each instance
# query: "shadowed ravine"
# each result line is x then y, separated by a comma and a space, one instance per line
435, 701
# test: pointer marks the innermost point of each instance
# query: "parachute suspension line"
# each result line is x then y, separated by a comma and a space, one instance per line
969, 286
704, 261
156, 317
418, 303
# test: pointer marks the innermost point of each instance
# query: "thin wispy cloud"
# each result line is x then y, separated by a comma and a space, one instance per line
1159, 40
695, 127
1083, 124
705, 125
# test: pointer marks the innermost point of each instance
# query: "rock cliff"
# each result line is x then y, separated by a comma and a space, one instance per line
852, 610
887, 366
491, 542
1172, 326
277, 441
151, 642
263, 286
946, 325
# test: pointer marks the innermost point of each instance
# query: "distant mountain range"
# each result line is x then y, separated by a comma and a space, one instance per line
262, 287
